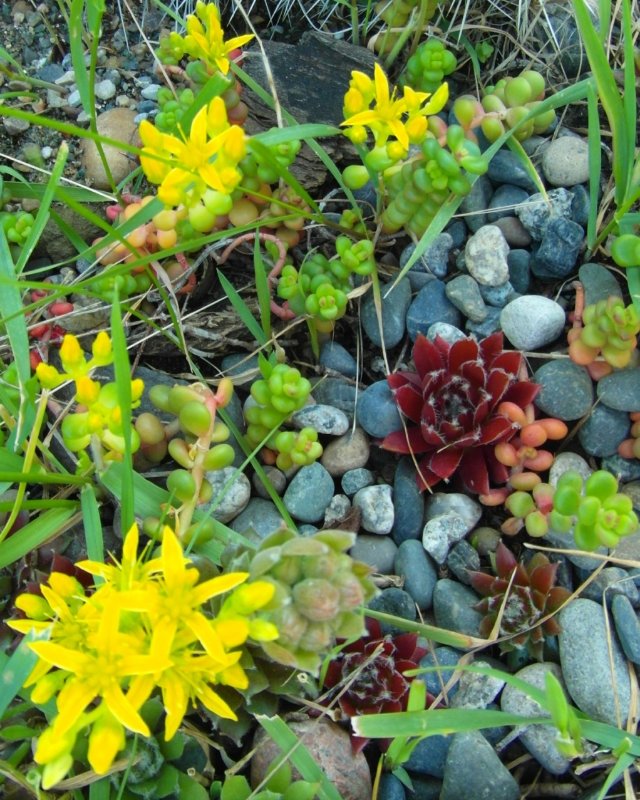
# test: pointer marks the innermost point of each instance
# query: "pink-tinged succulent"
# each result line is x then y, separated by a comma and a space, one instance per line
531, 596
453, 399
372, 670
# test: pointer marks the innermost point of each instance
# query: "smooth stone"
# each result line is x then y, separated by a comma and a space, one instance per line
309, 493
395, 303
445, 660
116, 123
474, 205
535, 214
632, 490
391, 788
396, 602
584, 658
532, 321
581, 205
565, 541
231, 493
558, 252
260, 517
150, 91
334, 356
453, 607
519, 270
514, 232
356, 479
566, 461
408, 502
567, 390
376, 508
462, 558
490, 324
477, 691
449, 333
538, 739
504, 200
336, 392
465, 295
276, 478
461, 504
418, 571
429, 756
621, 389
325, 419
458, 231
242, 367
506, 167
498, 296
105, 89
441, 532
350, 451
566, 161
598, 282
627, 627
603, 431
377, 412
625, 469
486, 256
435, 259
473, 771
611, 582
430, 305
379, 552
336, 511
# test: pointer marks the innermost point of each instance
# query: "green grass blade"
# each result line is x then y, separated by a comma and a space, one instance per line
262, 288
92, 525
624, 762
35, 533
460, 640
595, 164
298, 754
16, 671
629, 98
243, 311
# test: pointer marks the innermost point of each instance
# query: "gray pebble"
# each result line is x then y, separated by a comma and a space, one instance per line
335, 357
396, 602
462, 558
395, 303
621, 389
336, 392
532, 321
461, 504
453, 607
603, 431
260, 517
429, 757
309, 493
150, 92
275, 477
567, 390
473, 770
391, 788
105, 90
337, 510
558, 252
535, 214
519, 270
465, 295
350, 451
324, 419
377, 411
379, 552
489, 325
609, 583
408, 503
581, 205
430, 305
627, 627
504, 200
599, 283
435, 259
458, 231
356, 479
477, 691
242, 367
418, 571
231, 493
449, 333
486, 256
475, 204
445, 659
441, 532
514, 232
376, 508
625, 469
506, 167
566, 161
498, 296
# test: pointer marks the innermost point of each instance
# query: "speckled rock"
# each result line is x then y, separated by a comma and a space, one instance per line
486, 256
453, 607
356, 479
396, 602
276, 479
379, 552
441, 532
563, 462
376, 508
325, 419
348, 452
532, 321
566, 161
536, 213
231, 493
330, 747
567, 390
336, 511
621, 389
117, 123
604, 430
309, 493
465, 295
474, 772
627, 627
449, 333
598, 282
558, 252
376, 410
260, 517
456, 502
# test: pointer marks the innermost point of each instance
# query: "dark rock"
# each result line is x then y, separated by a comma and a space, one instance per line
473, 770
334, 356
475, 204
567, 390
408, 502
430, 305
519, 270
309, 493
453, 607
419, 573
397, 602
604, 430
506, 167
377, 412
627, 627
598, 282
395, 303
504, 200
621, 389
558, 252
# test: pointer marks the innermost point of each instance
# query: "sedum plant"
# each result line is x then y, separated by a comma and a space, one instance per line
509, 101
278, 785
429, 65
609, 329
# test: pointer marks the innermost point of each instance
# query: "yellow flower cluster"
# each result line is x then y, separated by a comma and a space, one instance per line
206, 156
145, 626
205, 38
102, 416
369, 103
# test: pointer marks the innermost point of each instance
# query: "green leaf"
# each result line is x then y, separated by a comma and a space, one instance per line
122, 371
16, 670
242, 309
92, 526
35, 533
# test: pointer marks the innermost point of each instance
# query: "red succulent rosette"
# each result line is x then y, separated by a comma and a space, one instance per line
453, 398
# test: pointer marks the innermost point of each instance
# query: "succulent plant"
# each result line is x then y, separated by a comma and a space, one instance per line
509, 101
530, 510
609, 329
625, 250
319, 592
453, 400
396, 14
428, 66
527, 593
598, 514
630, 448
368, 674
279, 785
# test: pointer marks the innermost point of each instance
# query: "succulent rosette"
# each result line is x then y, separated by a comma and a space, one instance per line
453, 398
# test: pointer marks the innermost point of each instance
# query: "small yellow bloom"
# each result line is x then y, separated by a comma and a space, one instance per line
102, 350
72, 357
48, 376
106, 739
87, 391
205, 38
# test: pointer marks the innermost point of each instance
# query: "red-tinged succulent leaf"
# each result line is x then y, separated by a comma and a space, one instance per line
426, 356
491, 346
425, 477
407, 646
473, 471
509, 361
551, 627
443, 347
430, 435
409, 401
543, 577
482, 408
497, 471
462, 351
451, 431
482, 582
410, 441
498, 383
432, 382
523, 393
556, 597
374, 629
497, 429
474, 372
445, 462
486, 625
399, 379
505, 561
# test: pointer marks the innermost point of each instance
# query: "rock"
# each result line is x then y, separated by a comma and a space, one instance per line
325, 419
632, 490
435, 259
558, 252
563, 462
584, 658
461, 504
231, 493
15, 127
532, 321
610, 582
485, 540
558, 32
627, 627
356, 479
567, 390
119, 124
377, 412
260, 517
473, 771
105, 89
458, 231
391, 788
379, 552
395, 303
449, 333
514, 232
599, 283
519, 270
486, 256
429, 756
498, 296
475, 204
566, 161
581, 205
476, 691
276, 479
376, 508
396, 602
336, 392
491, 324
465, 295
453, 607
462, 558
430, 305
441, 532
334, 356
445, 659
603, 431
408, 503
625, 469
348, 452
621, 390
242, 367
538, 739
336, 511
417, 569
329, 746
309, 493
506, 167
536, 213
504, 200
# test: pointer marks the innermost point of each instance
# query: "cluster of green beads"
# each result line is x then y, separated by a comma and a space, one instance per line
509, 101
17, 226
599, 514
280, 392
421, 186
267, 163
396, 14
172, 108
429, 65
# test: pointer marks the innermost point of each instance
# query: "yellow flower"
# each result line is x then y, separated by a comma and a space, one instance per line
49, 376
385, 118
87, 391
72, 357
132, 572
102, 350
205, 38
